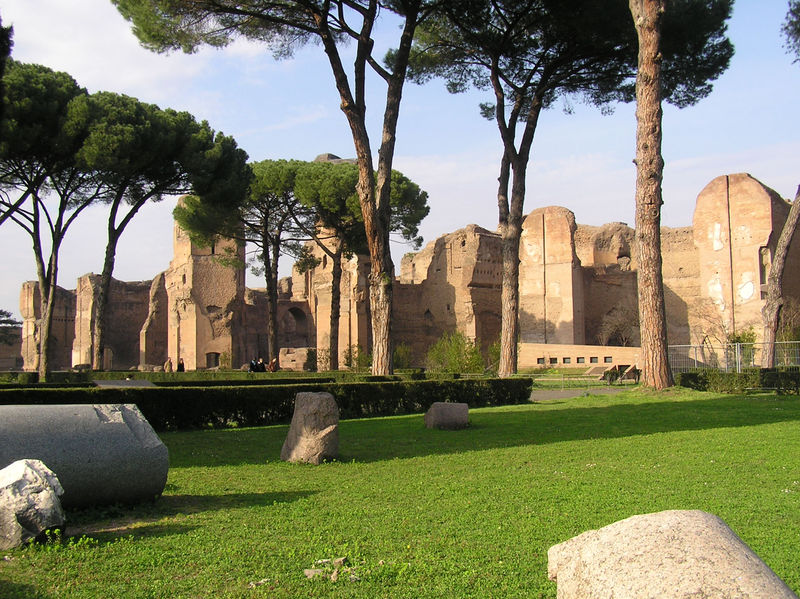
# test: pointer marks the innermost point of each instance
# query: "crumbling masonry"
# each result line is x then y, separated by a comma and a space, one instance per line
577, 291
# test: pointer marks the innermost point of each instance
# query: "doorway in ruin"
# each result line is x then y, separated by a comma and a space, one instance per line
294, 328
212, 359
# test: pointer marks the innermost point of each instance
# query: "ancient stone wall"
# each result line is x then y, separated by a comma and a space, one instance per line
453, 284
735, 231
11, 353
126, 312
681, 272
577, 285
206, 304
154, 332
62, 330
551, 305
294, 321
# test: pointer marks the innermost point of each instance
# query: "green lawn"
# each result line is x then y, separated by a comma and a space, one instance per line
422, 513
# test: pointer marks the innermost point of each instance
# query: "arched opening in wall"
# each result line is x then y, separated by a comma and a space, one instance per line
295, 327
212, 359
764, 263
487, 330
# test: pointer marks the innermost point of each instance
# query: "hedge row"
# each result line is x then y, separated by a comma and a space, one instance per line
781, 380
171, 408
201, 377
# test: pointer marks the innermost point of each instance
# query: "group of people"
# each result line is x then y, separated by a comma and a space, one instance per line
181, 367
259, 366
255, 365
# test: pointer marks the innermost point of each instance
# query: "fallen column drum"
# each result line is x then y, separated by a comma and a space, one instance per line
102, 454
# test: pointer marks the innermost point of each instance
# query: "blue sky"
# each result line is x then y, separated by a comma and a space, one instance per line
289, 109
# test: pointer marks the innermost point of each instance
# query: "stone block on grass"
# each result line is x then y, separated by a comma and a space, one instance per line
314, 433
29, 503
675, 554
447, 415
102, 454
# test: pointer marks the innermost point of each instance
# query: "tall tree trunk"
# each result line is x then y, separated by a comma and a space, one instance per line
509, 295
772, 306
270, 280
513, 167
101, 305
47, 294
374, 203
336, 309
273, 347
656, 371
114, 233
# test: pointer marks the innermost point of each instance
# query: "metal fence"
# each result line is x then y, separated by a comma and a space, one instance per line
731, 357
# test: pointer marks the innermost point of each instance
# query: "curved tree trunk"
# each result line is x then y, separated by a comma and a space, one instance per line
771, 311
656, 371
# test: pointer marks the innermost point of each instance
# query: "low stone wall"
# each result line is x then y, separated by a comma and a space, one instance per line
549, 355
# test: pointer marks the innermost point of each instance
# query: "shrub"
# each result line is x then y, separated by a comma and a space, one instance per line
454, 353
355, 358
746, 341
401, 357
780, 379
693, 379
494, 356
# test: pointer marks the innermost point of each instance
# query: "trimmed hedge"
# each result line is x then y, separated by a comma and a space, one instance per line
263, 382
781, 380
171, 408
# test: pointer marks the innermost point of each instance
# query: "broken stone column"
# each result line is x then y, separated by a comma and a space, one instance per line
447, 415
676, 554
29, 505
102, 454
314, 433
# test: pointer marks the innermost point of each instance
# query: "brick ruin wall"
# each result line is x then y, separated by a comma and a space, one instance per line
577, 282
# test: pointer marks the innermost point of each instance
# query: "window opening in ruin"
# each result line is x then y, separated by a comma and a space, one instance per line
212, 359
764, 262
213, 248
183, 278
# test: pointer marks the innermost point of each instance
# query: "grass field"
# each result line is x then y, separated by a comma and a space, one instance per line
424, 513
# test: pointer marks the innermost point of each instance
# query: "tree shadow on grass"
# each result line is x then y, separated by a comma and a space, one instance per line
377, 439
12, 590
146, 520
